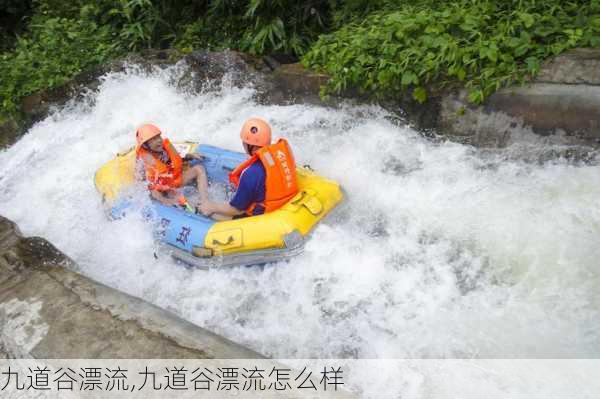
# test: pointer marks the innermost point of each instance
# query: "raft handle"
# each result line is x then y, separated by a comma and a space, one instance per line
202, 252
300, 198
230, 239
309, 201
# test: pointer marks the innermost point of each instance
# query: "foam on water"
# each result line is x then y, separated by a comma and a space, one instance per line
439, 250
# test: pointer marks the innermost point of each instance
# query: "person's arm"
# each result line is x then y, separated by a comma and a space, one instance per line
193, 156
244, 196
210, 208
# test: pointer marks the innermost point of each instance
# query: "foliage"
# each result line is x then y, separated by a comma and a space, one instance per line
482, 44
56, 50
259, 26
287, 26
139, 23
383, 47
12, 14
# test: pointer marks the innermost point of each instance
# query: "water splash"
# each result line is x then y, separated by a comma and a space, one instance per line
440, 250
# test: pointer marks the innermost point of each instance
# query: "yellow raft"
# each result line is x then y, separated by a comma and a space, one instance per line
204, 243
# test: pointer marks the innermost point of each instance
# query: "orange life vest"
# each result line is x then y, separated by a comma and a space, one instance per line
280, 181
162, 176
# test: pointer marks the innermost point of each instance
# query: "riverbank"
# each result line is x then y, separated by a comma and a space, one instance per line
561, 106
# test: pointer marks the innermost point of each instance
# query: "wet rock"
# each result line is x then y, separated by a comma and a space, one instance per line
49, 311
295, 80
9, 132
283, 58
548, 107
563, 102
208, 68
571, 113
577, 66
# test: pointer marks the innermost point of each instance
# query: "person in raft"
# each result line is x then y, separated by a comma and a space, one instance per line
165, 170
264, 182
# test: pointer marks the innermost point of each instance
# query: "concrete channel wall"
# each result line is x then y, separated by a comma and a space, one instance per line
48, 311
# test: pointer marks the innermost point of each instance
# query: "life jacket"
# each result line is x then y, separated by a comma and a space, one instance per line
280, 181
162, 176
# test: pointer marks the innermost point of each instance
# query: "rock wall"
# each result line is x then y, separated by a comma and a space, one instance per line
48, 311
562, 104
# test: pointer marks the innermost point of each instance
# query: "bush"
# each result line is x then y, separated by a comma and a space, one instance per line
12, 14
56, 50
383, 47
483, 45
211, 34
259, 26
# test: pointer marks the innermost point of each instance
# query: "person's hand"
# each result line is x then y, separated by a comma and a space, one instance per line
205, 208
172, 202
195, 155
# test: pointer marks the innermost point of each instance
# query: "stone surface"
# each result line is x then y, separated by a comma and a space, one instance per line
9, 132
549, 107
296, 80
562, 105
570, 113
49, 311
207, 69
577, 66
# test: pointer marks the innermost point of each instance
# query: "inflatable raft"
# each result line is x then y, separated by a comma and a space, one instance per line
205, 243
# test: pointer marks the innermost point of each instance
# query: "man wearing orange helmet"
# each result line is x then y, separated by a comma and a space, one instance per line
164, 168
264, 182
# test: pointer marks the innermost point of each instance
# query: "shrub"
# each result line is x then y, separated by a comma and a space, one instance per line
481, 44
259, 26
55, 51
12, 14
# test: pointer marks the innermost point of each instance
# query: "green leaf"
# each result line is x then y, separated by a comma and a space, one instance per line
408, 78
420, 94
475, 96
492, 55
533, 65
527, 19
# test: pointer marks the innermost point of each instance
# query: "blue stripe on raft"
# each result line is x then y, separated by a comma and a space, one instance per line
118, 210
172, 225
179, 228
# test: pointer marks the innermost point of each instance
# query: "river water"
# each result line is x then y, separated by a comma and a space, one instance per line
440, 250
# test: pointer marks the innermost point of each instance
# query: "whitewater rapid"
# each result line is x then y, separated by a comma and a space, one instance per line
439, 251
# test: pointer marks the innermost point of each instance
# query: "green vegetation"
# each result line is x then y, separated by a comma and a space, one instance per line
382, 47
12, 14
56, 50
481, 44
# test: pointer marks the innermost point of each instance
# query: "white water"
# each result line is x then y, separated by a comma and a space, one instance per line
439, 251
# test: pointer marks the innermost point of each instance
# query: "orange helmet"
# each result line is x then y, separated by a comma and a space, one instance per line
256, 132
144, 133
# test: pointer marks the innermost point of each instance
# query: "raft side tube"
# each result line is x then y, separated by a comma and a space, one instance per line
293, 246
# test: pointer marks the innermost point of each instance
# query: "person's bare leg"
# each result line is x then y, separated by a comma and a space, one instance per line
219, 218
163, 198
199, 174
